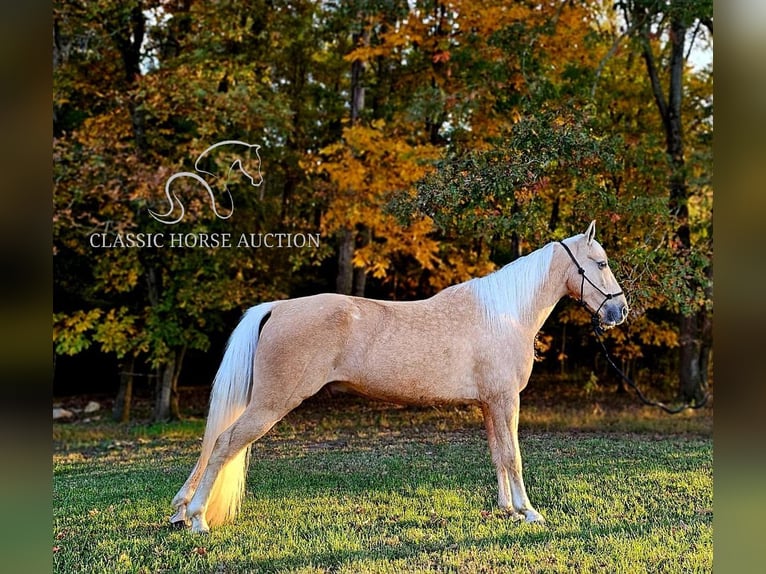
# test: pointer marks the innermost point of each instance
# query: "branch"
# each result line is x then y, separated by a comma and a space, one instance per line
707, 23
646, 52
651, 68
691, 42
610, 54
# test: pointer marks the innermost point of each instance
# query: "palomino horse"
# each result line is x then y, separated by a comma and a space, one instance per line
470, 343
238, 151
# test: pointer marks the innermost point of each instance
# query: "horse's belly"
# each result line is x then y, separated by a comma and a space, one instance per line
419, 382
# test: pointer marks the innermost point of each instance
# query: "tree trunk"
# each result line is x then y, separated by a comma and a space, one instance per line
344, 282
175, 407
706, 322
124, 399
360, 281
357, 90
357, 69
166, 400
164, 388
350, 280
691, 348
128, 33
690, 335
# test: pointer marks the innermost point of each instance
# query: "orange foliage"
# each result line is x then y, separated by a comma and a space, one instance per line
365, 169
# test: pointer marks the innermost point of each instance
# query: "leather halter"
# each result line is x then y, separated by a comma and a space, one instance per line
607, 296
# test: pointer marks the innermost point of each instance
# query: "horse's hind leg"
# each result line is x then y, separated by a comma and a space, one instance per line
249, 427
504, 421
184, 495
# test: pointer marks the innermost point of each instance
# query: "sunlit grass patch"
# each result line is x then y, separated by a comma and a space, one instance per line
365, 488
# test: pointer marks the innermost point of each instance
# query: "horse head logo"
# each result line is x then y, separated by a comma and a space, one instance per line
240, 157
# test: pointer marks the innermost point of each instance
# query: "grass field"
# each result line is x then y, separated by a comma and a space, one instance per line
350, 486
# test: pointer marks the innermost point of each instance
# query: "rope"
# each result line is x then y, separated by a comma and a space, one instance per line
641, 396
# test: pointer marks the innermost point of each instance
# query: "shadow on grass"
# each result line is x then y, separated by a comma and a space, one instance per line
522, 547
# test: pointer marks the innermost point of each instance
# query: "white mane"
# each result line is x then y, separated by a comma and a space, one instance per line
510, 292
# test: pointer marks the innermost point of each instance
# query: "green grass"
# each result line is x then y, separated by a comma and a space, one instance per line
356, 487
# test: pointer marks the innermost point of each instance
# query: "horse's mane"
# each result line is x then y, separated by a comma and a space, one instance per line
511, 290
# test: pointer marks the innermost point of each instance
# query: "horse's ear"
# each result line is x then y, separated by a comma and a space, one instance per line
590, 234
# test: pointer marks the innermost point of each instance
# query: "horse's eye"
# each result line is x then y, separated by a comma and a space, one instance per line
602, 264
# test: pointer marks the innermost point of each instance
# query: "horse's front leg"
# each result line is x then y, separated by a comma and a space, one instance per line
504, 497
504, 424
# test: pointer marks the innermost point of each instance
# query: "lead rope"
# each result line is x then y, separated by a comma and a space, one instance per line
641, 396
597, 331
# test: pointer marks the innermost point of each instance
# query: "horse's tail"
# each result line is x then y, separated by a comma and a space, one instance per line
229, 397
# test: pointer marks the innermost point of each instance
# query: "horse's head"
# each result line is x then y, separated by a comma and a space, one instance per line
590, 280
238, 155
249, 163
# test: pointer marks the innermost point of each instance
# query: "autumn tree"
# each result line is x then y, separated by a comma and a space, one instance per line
91, 135
421, 79
536, 178
664, 33
427, 141
152, 106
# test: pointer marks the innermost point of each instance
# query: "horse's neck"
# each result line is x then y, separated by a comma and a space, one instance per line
552, 289
522, 293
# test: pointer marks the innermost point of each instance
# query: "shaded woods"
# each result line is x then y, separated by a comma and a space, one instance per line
424, 143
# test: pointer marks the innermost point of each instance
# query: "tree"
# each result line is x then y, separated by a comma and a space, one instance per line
663, 26
536, 181
112, 159
496, 127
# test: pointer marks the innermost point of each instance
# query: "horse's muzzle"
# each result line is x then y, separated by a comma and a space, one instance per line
614, 314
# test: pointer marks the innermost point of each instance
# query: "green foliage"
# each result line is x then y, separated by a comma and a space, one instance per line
493, 193
70, 331
111, 160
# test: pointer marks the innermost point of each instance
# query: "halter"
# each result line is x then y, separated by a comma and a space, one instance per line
607, 296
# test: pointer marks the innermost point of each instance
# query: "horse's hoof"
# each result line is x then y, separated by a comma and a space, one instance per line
532, 515
199, 525
179, 519
179, 524
514, 515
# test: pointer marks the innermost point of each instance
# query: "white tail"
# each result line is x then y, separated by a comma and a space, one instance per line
228, 399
